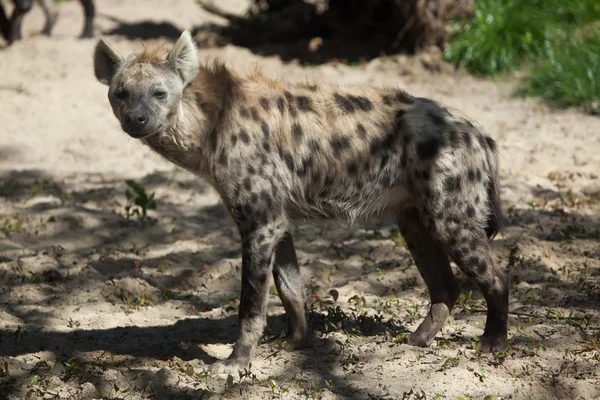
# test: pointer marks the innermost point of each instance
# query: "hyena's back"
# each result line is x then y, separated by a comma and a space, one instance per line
358, 153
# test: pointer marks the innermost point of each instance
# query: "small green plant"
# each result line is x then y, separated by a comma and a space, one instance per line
140, 300
11, 226
463, 299
276, 389
398, 239
449, 363
139, 202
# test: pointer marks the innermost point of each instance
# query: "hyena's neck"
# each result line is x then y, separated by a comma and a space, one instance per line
186, 140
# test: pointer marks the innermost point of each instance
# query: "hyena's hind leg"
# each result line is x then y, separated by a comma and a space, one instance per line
463, 219
288, 281
434, 265
469, 247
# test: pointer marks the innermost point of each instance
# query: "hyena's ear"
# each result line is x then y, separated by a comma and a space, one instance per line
106, 62
183, 58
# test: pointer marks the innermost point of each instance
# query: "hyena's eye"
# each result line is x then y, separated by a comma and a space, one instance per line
121, 94
160, 94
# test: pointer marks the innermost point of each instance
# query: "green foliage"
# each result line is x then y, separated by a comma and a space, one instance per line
139, 202
503, 35
570, 76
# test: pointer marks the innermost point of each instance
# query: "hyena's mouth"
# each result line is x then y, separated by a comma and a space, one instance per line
141, 134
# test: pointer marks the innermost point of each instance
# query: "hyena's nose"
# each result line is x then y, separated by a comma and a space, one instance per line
136, 119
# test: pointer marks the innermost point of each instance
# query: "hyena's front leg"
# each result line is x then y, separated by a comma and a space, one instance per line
259, 240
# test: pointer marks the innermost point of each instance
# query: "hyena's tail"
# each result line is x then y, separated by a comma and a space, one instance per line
496, 220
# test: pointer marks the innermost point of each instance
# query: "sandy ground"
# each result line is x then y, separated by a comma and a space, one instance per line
95, 305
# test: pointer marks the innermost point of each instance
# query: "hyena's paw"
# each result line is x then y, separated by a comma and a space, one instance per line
294, 343
228, 366
419, 339
491, 344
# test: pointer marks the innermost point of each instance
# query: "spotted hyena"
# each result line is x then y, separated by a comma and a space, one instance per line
278, 152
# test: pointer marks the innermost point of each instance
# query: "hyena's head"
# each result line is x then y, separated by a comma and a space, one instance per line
145, 90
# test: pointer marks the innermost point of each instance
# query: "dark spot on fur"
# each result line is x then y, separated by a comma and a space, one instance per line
264, 103
212, 139
435, 113
280, 104
343, 103
453, 138
244, 112
467, 139
428, 148
384, 143
404, 97
306, 165
304, 103
478, 175
289, 160
470, 211
385, 181
362, 132
265, 129
339, 143
352, 168
254, 113
251, 170
491, 143
452, 184
244, 136
384, 160
247, 183
387, 99
254, 198
481, 267
447, 204
361, 102
297, 131
453, 231
267, 146
233, 140
482, 141
328, 180
316, 178
288, 96
471, 175
473, 244
223, 158
314, 145
267, 199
